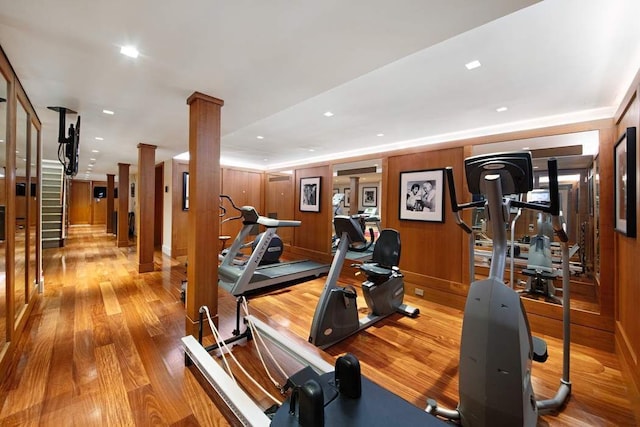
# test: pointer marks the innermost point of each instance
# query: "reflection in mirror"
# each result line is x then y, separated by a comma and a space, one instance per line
579, 194
367, 174
3, 204
32, 208
21, 209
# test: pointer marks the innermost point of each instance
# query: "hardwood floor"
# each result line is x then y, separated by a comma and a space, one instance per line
103, 348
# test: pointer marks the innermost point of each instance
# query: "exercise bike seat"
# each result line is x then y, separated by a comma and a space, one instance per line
386, 255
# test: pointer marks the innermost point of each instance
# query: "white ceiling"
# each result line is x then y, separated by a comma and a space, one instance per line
395, 68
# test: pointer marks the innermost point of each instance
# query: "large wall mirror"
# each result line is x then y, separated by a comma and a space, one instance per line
365, 199
21, 192
578, 177
3, 205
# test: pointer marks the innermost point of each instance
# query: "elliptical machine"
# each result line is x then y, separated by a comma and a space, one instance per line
336, 315
540, 271
496, 347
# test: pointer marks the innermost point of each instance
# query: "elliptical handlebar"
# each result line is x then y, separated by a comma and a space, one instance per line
455, 207
554, 206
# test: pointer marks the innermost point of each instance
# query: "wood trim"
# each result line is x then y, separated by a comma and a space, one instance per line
158, 205
629, 364
122, 240
204, 190
110, 201
146, 203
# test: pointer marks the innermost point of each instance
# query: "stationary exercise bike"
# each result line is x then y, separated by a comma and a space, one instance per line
496, 347
359, 246
336, 315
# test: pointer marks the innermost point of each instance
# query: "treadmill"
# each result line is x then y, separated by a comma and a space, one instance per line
251, 277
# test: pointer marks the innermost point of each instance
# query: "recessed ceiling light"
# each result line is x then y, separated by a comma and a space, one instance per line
311, 149
92, 159
95, 151
260, 137
1, 140
473, 64
526, 148
328, 114
129, 51
111, 113
501, 109
536, 167
99, 138
266, 160
380, 134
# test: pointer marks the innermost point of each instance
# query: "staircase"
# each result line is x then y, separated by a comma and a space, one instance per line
52, 204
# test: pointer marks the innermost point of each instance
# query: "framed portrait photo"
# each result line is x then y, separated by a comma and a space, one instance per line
624, 158
310, 194
422, 195
347, 197
370, 196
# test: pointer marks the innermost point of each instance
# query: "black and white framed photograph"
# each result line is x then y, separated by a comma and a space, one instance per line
347, 197
625, 183
422, 195
310, 194
185, 191
370, 196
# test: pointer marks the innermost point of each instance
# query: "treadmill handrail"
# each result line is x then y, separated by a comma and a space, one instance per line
274, 223
251, 216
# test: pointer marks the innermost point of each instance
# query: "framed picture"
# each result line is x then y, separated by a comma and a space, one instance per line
624, 157
422, 195
310, 194
185, 191
370, 196
347, 197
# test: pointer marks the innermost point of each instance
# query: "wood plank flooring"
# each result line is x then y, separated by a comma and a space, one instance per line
103, 348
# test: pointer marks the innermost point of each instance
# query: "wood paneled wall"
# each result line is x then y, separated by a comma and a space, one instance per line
627, 254
314, 234
246, 188
98, 206
279, 200
84, 209
80, 203
433, 254
243, 186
